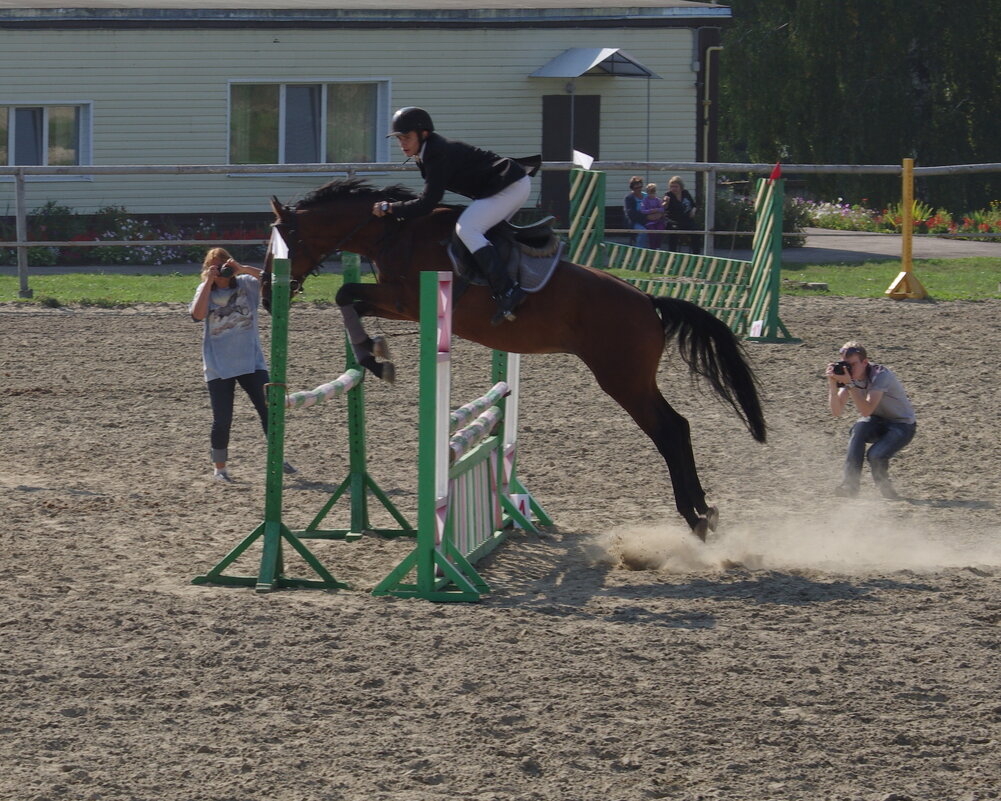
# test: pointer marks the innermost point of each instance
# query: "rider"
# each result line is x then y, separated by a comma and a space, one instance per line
498, 187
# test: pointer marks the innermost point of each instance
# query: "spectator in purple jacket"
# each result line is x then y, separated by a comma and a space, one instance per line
656, 220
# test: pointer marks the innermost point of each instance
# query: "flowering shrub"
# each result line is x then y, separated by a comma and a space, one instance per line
52, 222
735, 212
205, 230
120, 226
839, 215
926, 220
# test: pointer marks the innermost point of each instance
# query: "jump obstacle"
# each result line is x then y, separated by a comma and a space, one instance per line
466, 509
743, 294
469, 496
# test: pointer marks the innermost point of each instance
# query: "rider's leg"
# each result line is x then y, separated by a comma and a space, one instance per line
479, 217
504, 290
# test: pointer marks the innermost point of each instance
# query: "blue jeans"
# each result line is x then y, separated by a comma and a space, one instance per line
221, 394
888, 439
643, 240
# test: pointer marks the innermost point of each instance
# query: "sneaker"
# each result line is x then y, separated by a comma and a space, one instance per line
223, 476
846, 491
887, 491
288, 469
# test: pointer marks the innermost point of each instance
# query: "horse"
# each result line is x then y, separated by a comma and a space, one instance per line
619, 332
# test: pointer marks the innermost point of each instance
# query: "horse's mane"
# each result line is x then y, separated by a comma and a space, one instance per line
353, 189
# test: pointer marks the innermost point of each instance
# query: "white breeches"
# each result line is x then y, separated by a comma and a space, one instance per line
482, 215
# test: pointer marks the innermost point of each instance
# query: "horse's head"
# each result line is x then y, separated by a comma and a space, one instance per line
337, 216
300, 254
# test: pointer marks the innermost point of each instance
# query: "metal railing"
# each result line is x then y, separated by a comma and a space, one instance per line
709, 171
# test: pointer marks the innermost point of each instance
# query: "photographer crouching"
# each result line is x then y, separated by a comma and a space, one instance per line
887, 417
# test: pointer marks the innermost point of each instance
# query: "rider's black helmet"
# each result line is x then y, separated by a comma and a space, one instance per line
411, 118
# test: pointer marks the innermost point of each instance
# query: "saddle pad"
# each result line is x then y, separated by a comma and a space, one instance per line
531, 272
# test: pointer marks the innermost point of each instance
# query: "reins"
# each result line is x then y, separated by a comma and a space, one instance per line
292, 232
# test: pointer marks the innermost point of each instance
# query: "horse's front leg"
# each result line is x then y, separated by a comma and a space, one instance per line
372, 353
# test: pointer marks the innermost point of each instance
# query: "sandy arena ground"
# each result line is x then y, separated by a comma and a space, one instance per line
815, 649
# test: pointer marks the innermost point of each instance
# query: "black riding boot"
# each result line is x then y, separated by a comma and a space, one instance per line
505, 291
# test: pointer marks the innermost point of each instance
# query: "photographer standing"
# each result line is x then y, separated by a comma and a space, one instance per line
887, 419
227, 300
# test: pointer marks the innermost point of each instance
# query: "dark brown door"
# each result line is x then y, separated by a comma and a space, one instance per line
560, 139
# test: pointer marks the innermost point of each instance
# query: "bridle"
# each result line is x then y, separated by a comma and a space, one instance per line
290, 233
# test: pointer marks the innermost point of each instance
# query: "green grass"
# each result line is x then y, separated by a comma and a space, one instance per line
945, 279
107, 290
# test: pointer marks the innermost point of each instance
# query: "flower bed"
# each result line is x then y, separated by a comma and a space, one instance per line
55, 223
845, 216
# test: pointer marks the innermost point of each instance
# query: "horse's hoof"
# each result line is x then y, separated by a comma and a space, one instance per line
380, 348
387, 372
701, 529
712, 517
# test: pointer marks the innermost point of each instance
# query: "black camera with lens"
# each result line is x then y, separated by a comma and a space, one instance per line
226, 271
842, 368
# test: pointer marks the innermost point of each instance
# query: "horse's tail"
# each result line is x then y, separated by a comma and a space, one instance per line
712, 351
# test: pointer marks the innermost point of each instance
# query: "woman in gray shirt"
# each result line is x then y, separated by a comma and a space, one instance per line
227, 301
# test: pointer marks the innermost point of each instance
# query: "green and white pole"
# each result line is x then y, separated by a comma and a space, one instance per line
272, 531
766, 270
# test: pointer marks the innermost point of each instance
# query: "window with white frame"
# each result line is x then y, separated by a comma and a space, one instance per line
44, 135
306, 123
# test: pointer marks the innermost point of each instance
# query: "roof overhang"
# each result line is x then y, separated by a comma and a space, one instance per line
603, 61
347, 14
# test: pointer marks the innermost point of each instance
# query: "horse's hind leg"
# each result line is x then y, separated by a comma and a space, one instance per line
673, 440
671, 434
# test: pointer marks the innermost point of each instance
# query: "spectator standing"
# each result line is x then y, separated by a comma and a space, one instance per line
681, 208
226, 301
656, 220
634, 216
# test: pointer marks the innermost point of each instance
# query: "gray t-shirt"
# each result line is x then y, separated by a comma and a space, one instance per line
894, 405
231, 345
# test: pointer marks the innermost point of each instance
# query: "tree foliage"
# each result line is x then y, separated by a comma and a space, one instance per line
863, 82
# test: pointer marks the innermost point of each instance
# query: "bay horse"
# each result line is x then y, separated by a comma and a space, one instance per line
618, 331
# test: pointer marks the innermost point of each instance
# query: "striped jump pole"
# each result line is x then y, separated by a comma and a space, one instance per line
743, 294
465, 471
766, 279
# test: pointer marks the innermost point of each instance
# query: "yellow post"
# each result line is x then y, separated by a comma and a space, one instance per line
906, 284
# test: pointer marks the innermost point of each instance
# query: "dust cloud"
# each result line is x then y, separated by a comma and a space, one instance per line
860, 540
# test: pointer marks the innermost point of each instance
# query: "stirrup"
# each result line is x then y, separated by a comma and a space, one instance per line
501, 316
506, 304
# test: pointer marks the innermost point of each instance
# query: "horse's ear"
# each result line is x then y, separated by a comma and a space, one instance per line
277, 207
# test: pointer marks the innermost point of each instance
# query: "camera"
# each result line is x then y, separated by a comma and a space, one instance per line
226, 271
842, 368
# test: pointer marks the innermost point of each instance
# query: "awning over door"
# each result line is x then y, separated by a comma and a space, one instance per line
579, 61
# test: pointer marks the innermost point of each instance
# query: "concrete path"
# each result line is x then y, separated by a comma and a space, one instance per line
822, 247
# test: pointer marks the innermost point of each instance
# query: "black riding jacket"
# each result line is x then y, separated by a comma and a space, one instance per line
454, 166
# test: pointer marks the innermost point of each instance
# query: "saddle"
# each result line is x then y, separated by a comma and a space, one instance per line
529, 252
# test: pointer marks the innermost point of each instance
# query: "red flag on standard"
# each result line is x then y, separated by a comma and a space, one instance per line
776, 171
